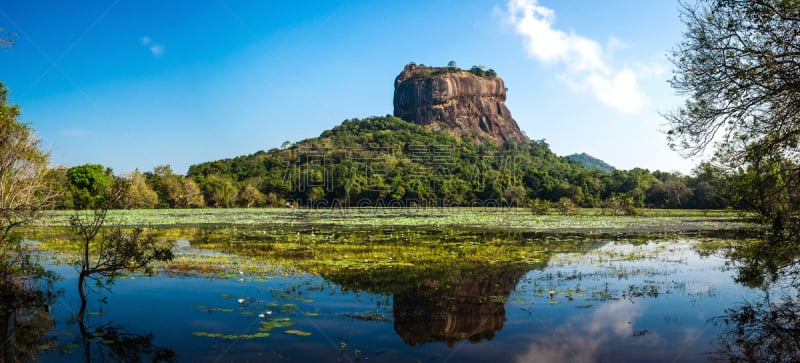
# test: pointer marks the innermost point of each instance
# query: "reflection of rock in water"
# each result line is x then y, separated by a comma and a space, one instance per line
467, 305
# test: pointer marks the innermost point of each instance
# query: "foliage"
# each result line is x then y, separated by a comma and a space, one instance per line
764, 328
23, 167
23, 196
591, 162
385, 161
58, 184
26, 292
174, 191
103, 259
250, 196
739, 67
540, 207
480, 71
138, 194
90, 184
218, 191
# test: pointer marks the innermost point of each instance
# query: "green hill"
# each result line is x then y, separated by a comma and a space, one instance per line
591, 162
385, 161
388, 161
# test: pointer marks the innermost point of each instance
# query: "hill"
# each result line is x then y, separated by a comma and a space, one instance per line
388, 161
456, 145
591, 162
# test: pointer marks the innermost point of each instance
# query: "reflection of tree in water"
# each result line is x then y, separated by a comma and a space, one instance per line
26, 294
24, 319
766, 329
109, 342
761, 331
118, 250
467, 305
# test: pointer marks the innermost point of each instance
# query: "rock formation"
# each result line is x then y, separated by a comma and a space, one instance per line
456, 101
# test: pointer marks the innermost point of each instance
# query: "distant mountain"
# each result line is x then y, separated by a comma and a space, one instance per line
591, 162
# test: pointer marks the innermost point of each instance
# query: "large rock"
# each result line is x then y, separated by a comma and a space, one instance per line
456, 101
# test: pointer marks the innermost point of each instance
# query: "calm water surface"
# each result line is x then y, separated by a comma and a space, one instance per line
610, 301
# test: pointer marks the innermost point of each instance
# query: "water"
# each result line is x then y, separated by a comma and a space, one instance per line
605, 301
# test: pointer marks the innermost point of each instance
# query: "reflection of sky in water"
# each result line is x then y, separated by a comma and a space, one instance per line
666, 294
619, 302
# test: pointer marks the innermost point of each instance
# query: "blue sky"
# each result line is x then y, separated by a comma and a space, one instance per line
135, 84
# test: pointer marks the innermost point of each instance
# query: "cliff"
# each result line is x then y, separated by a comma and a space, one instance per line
456, 101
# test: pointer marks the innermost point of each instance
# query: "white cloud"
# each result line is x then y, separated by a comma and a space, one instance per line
154, 48
583, 338
157, 49
586, 64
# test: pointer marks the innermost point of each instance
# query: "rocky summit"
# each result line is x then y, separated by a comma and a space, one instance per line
458, 101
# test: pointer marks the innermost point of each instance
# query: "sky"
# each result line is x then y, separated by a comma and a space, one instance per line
136, 84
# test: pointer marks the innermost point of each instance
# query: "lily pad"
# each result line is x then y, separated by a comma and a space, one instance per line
298, 332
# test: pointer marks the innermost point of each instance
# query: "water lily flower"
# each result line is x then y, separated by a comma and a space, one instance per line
241, 301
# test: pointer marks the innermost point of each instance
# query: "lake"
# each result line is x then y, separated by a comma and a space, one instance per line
406, 293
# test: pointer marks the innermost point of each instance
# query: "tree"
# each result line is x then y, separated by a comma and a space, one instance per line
174, 190
138, 194
90, 184
103, 258
250, 197
23, 196
217, 191
739, 66
58, 185
23, 166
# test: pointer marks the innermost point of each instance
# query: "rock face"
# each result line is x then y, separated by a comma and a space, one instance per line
456, 101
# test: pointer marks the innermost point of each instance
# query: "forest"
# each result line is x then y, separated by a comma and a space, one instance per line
385, 161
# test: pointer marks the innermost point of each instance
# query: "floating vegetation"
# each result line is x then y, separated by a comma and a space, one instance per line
275, 323
210, 309
654, 220
288, 308
366, 316
230, 336
297, 332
